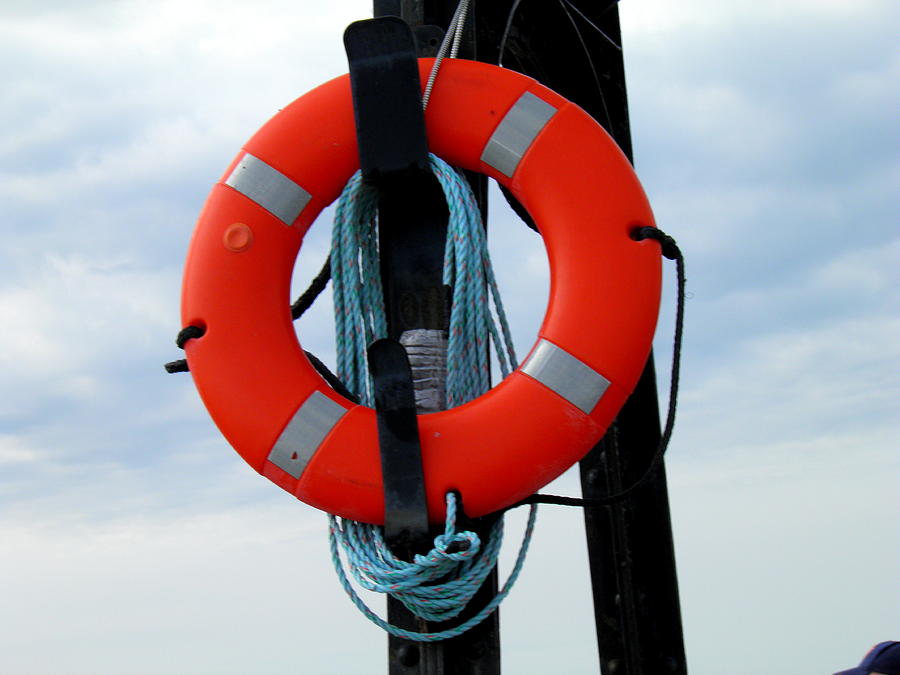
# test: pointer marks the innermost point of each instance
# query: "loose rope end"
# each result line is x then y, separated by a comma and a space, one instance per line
179, 366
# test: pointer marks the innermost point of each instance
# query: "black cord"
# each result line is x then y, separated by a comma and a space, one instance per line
330, 377
188, 333
185, 334
318, 284
670, 250
179, 366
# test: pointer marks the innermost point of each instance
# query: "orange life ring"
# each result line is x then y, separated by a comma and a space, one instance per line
285, 420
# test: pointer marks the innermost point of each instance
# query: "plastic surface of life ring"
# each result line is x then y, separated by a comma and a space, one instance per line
286, 421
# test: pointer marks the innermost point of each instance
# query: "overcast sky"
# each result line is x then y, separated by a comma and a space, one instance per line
134, 540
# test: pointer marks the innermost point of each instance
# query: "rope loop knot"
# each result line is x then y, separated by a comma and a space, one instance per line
435, 586
457, 547
668, 246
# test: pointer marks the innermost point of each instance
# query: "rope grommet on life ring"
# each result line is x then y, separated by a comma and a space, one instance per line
291, 426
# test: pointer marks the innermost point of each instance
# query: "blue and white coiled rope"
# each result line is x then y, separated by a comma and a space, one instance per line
436, 586
376, 569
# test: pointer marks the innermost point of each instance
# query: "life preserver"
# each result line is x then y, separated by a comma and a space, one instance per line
285, 420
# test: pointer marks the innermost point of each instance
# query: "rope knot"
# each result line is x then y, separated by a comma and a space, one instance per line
436, 586
459, 546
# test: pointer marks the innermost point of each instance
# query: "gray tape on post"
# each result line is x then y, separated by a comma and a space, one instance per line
575, 381
516, 132
305, 432
269, 188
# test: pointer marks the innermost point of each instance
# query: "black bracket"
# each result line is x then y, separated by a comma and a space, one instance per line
393, 155
387, 104
405, 511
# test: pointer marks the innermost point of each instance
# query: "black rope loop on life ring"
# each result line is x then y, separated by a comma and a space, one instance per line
189, 333
670, 250
185, 334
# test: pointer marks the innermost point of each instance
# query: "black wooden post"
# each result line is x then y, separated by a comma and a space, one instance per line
574, 47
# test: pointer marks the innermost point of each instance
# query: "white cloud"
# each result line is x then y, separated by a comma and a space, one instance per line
695, 21
14, 450
69, 313
867, 272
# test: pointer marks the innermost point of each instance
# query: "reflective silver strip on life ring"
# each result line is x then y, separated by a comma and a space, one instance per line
575, 381
269, 188
305, 432
516, 132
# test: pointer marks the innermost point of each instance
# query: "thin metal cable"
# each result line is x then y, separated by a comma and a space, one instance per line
587, 54
506, 29
455, 27
593, 25
458, 28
